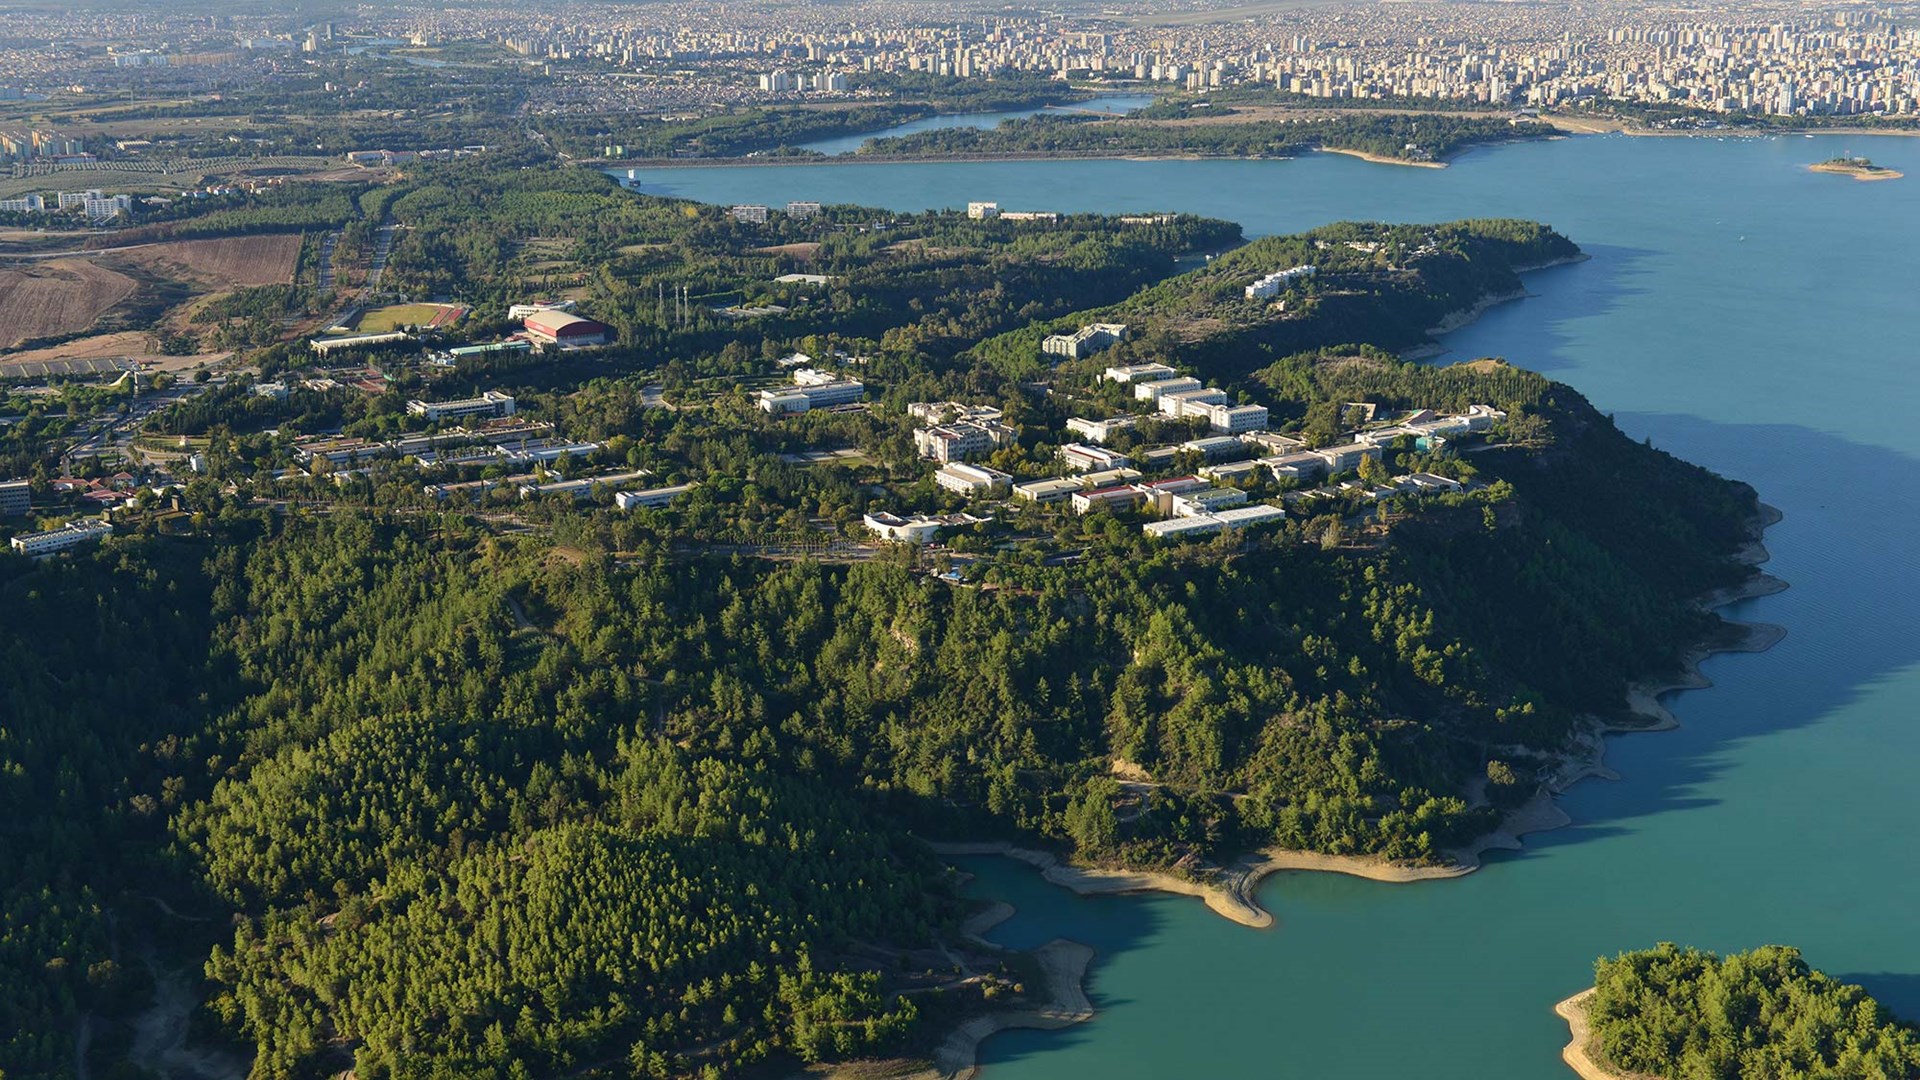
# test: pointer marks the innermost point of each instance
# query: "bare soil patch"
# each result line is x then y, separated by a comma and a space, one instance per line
64, 296
135, 344
804, 252
225, 261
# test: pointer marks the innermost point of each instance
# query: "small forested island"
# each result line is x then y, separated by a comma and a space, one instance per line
1671, 1013
584, 691
1857, 167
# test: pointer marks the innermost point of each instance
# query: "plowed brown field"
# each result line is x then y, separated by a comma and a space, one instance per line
64, 296
225, 261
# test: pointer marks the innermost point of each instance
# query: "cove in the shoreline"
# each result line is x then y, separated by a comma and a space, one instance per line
1232, 891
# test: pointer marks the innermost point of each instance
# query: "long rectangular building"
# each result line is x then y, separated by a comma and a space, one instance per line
582, 487
39, 545
1151, 391
971, 480
799, 399
492, 403
1239, 517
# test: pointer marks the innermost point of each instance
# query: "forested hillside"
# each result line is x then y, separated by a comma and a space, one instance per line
443, 777
1424, 138
1683, 1013
532, 787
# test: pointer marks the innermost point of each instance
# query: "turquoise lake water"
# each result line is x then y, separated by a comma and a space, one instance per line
1740, 312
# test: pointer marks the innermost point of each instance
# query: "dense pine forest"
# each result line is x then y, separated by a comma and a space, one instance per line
338, 775
1674, 1012
477, 800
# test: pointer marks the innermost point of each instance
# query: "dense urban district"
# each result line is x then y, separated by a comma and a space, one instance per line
466, 617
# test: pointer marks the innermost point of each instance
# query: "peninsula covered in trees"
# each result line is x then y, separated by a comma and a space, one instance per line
414, 764
1421, 139
1684, 1014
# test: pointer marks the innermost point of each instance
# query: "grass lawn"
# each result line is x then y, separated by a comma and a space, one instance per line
381, 320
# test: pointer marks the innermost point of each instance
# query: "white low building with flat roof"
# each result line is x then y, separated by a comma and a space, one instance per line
1151, 391
1047, 491
1341, 458
1098, 431
799, 399
39, 545
1299, 466
582, 487
1172, 528
1239, 517
1215, 446
1179, 403
1206, 501
1229, 470
974, 481
1272, 442
918, 529
1129, 373
1107, 478
1231, 419
1118, 497
491, 403
1081, 458
652, 497
323, 346
1424, 483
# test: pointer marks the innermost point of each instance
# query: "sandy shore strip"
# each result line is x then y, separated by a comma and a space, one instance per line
1223, 899
1579, 1053
1232, 892
1857, 173
1382, 159
1063, 964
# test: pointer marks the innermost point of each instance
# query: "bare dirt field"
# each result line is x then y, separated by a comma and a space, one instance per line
226, 261
64, 296
804, 251
136, 345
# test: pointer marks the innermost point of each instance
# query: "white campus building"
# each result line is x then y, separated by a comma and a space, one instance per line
1098, 431
799, 399
1152, 391
974, 481
491, 403
1085, 341
1230, 419
1239, 517
1082, 458
652, 497
1279, 281
39, 545
1129, 373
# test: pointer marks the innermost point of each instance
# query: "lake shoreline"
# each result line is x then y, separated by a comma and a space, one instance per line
1232, 890
1381, 159
856, 158
1578, 1053
1466, 316
1063, 966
